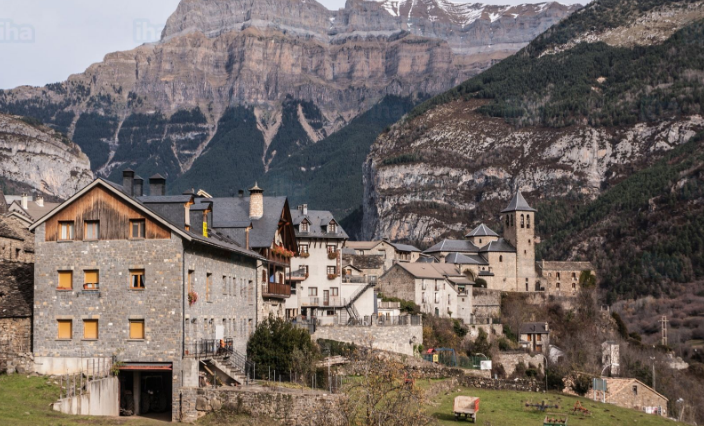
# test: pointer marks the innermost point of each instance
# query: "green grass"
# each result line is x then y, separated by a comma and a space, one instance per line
505, 408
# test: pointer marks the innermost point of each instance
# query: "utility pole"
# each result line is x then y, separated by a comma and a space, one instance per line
663, 322
653, 359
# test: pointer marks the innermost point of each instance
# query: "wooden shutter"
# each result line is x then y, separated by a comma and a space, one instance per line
137, 329
91, 277
90, 329
66, 280
65, 329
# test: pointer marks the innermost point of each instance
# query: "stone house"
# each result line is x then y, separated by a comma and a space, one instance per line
28, 208
610, 357
634, 394
321, 292
261, 224
16, 289
115, 277
507, 262
534, 336
438, 289
383, 253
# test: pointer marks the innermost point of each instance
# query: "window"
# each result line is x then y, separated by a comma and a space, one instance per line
574, 275
208, 286
558, 275
137, 329
66, 231
137, 279
224, 285
538, 337
91, 230
331, 313
574, 286
501, 258
90, 280
528, 222
65, 280
423, 284
523, 222
480, 241
449, 299
331, 270
137, 227
332, 248
423, 299
303, 248
507, 220
264, 276
304, 226
312, 291
335, 291
65, 329
635, 389
557, 286
437, 297
90, 329
190, 281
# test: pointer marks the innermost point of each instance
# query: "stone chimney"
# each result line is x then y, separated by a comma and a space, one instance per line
303, 208
138, 186
25, 201
256, 202
40, 200
240, 193
157, 185
127, 180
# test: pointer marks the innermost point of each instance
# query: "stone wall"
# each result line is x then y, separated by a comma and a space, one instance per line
398, 338
290, 407
15, 343
522, 385
486, 303
509, 360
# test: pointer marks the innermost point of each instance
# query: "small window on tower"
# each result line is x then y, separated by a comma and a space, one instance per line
523, 223
501, 258
528, 221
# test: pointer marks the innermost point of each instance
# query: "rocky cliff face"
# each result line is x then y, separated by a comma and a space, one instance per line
266, 55
455, 160
38, 157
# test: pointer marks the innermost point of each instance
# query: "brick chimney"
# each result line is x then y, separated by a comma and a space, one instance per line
138, 186
256, 202
127, 179
25, 201
157, 185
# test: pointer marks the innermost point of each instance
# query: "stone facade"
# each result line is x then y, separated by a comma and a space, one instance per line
487, 303
290, 407
562, 278
16, 296
509, 360
519, 231
634, 394
396, 338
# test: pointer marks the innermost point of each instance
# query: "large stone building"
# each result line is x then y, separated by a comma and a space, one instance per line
508, 263
633, 394
320, 290
121, 275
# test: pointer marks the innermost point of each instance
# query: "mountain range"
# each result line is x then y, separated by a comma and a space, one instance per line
236, 89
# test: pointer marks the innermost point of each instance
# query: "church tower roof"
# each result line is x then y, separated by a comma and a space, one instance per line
518, 204
482, 231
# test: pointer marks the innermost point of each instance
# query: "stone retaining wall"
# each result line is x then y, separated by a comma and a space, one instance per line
523, 385
509, 360
398, 338
291, 407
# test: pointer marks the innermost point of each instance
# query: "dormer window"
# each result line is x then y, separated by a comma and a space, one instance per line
332, 228
304, 226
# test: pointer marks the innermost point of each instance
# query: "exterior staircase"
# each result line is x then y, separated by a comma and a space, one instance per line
349, 306
225, 367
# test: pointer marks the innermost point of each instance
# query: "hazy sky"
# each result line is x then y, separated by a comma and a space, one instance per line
44, 41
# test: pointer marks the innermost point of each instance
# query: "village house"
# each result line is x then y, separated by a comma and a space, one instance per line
437, 288
507, 263
377, 257
28, 209
126, 277
534, 336
16, 288
633, 394
317, 277
261, 224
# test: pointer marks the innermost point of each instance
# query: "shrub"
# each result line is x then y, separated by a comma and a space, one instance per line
581, 384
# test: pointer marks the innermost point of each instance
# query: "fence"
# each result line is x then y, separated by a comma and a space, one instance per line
382, 321
77, 384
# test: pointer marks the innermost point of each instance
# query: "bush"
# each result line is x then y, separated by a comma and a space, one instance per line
622, 328
504, 344
273, 344
459, 328
581, 384
556, 381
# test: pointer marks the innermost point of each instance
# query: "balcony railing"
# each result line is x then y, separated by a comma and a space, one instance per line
276, 290
332, 301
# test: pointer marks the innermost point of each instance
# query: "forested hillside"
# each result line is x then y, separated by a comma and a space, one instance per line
645, 235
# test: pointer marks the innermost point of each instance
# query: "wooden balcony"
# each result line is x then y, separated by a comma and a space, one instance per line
272, 257
276, 290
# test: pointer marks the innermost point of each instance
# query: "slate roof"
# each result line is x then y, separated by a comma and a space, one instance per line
534, 328
499, 245
404, 247
518, 204
231, 213
460, 246
460, 280
426, 259
33, 210
162, 199
482, 231
319, 220
12, 228
430, 270
465, 259
373, 261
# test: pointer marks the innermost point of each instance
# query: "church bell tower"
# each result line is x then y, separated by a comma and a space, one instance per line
519, 231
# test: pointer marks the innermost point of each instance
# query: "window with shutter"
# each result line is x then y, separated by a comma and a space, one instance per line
91, 280
90, 329
137, 279
65, 329
65, 280
137, 329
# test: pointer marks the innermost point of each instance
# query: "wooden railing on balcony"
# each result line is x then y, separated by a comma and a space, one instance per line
276, 290
273, 257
